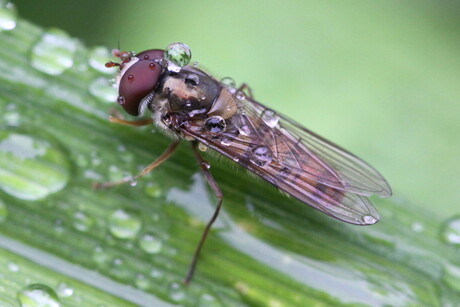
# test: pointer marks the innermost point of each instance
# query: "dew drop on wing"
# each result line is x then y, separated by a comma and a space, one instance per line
215, 124
369, 220
226, 141
270, 118
261, 156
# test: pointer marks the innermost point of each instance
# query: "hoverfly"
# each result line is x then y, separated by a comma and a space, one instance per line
187, 103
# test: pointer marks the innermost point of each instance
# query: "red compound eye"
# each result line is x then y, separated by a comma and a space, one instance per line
152, 54
139, 80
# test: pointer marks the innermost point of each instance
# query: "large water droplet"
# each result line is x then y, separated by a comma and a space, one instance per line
31, 168
98, 56
103, 90
261, 156
82, 222
54, 52
150, 243
178, 55
38, 295
3, 211
8, 16
124, 225
270, 118
450, 231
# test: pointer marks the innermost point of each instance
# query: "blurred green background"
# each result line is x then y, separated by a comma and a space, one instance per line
381, 78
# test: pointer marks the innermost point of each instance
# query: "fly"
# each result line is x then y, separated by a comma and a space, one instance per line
189, 104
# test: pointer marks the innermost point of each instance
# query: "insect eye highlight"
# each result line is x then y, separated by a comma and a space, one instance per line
215, 124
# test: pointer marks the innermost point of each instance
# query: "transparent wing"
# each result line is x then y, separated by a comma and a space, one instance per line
350, 172
296, 161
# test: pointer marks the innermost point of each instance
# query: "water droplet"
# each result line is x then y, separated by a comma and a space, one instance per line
156, 274
13, 267
153, 189
98, 56
53, 54
418, 227
103, 90
3, 211
82, 222
124, 225
270, 118
141, 282
38, 295
100, 256
225, 141
244, 130
240, 96
8, 16
369, 220
215, 124
178, 55
64, 290
202, 147
206, 164
451, 276
176, 292
31, 168
192, 79
228, 83
207, 300
261, 156
450, 231
150, 243
115, 173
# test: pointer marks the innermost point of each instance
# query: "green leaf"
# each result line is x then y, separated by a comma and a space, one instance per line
133, 244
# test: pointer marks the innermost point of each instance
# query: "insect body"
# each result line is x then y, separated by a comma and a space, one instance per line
189, 104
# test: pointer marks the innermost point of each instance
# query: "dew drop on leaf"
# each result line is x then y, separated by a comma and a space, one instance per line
53, 53
64, 290
124, 225
103, 90
176, 292
8, 16
38, 295
82, 222
31, 168
450, 231
98, 57
150, 243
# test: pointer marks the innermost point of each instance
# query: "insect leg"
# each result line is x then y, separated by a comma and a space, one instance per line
246, 87
204, 167
116, 117
163, 157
